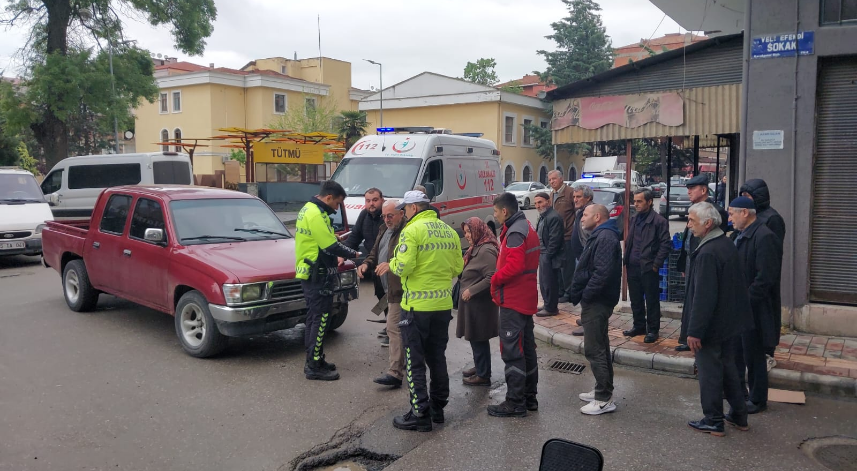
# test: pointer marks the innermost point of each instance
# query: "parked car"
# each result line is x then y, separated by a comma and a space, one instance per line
614, 199
23, 213
601, 182
658, 189
526, 192
220, 261
679, 201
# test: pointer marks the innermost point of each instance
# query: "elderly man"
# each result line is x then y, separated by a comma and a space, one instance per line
562, 200
646, 248
697, 190
760, 255
596, 286
718, 309
550, 231
378, 260
583, 195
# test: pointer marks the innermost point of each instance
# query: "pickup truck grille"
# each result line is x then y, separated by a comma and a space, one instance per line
14, 235
287, 290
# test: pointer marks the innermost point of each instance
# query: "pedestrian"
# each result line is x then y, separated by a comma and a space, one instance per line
757, 190
759, 253
596, 286
720, 194
427, 258
697, 190
316, 265
382, 251
551, 231
718, 309
513, 288
478, 316
365, 231
583, 196
646, 248
562, 200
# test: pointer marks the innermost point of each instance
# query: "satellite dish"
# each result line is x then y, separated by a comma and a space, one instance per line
129, 135
159, 55
371, 88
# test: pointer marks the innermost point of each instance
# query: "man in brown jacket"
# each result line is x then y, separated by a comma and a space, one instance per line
385, 243
562, 200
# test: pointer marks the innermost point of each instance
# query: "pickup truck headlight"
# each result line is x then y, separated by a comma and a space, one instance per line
244, 293
40, 228
348, 279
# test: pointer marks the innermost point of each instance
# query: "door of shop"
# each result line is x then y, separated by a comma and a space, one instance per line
833, 258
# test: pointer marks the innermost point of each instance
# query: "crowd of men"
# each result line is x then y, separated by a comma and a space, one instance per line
730, 320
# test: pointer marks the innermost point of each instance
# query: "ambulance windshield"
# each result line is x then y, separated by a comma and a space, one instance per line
392, 175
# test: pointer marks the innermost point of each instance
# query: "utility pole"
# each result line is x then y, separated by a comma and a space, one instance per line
381, 83
113, 87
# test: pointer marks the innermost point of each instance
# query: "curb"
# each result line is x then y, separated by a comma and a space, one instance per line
779, 378
668, 313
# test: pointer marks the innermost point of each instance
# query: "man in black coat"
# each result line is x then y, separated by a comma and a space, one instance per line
646, 248
717, 307
551, 230
761, 260
757, 190
596, 285
365, 231
697, 190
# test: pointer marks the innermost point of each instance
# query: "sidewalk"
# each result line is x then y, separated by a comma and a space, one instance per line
805, 362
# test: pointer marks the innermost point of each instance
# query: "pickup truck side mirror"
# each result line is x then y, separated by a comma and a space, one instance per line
154, 235
431, 192
52, 199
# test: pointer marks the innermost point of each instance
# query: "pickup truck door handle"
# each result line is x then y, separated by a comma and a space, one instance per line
126, 253
96, 245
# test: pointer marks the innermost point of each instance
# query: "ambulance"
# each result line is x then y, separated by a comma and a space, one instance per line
461, 172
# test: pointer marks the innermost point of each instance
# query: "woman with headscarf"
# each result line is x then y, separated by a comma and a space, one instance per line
478, 316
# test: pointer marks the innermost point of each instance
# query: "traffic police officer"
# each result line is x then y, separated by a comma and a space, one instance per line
318, 252
427, 258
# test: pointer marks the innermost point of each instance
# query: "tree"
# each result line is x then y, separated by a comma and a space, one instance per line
481, 72
8, 143
351, 126
26, 161
62, 34
583, 47
238, 156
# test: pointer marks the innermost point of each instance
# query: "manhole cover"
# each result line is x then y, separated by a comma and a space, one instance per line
566, 367
834, 453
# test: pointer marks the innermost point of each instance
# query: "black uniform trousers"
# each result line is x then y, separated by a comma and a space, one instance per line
549, 281
645, 299
518, 351
718, 377
424, 336
318, 313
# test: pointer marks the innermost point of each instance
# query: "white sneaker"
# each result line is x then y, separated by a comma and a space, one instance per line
772, 362
587, 396
598, 407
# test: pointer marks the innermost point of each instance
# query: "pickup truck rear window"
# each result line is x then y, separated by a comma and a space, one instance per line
171, 173
103, 176
115, 214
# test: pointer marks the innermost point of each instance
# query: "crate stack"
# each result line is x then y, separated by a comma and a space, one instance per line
675, 277
664, 272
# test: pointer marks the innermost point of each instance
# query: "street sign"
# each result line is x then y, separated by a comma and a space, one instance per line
287, 153
783, 45
768, 140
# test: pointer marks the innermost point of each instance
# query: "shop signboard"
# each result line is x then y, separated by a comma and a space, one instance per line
630, 111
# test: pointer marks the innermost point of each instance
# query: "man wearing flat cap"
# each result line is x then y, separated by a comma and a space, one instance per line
697, 190
760, 255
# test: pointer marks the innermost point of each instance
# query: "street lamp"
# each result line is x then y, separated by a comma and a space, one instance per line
113, 86
381, 84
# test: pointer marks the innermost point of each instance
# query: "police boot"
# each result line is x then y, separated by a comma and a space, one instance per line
327, 366
409, 421
313, 370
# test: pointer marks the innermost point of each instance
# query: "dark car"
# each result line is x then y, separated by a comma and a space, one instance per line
658, 189
614, 199
679, 201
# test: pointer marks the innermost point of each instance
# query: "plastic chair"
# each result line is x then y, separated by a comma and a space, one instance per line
564, 455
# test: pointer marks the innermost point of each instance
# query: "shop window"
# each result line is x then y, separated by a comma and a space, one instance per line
834, 12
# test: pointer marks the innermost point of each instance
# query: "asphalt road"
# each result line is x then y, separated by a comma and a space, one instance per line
113, 390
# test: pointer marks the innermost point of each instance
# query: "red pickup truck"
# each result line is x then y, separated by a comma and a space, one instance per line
220, 261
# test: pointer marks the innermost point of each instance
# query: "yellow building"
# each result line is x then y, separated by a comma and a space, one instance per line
430, 99
195, 101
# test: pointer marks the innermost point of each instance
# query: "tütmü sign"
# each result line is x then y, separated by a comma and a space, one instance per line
288, 153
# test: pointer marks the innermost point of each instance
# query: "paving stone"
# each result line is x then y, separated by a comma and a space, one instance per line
807, 360
815, 350
799, 350
837, 363
849, 353
802, 341
833, 354
787, 340
835, 345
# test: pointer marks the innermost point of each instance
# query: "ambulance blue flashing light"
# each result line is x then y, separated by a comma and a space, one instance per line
383, 130
588, 175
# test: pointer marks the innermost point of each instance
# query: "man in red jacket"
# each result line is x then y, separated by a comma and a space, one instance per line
513, 288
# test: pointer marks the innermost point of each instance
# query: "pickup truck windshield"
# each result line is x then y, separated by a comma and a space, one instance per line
19, 188
213, 221
392, 175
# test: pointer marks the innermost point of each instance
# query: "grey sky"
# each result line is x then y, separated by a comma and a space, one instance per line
407, 37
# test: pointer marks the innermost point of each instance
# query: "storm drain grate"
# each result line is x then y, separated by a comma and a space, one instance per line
566, 367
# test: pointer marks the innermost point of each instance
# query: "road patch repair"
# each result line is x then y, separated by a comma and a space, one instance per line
834, 453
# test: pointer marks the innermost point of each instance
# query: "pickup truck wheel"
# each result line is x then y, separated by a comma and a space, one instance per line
195, 327
338, 315
79, 293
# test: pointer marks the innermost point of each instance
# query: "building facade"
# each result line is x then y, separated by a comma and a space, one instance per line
438, 101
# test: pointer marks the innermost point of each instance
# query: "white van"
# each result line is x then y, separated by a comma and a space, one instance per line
74, 184
461, 173
23, 213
